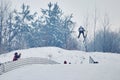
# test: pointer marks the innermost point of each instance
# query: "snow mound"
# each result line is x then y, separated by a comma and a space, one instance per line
60, 55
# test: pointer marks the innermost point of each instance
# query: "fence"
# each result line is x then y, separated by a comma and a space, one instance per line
8, 66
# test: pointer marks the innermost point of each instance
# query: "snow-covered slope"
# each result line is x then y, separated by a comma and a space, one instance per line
64, 72
60, 55
79, 69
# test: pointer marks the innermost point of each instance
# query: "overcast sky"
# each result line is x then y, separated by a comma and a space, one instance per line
79, 8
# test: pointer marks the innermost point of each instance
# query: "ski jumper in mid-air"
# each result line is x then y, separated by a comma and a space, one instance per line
81, 31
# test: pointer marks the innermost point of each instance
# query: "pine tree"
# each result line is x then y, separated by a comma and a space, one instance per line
22, 26
56, 29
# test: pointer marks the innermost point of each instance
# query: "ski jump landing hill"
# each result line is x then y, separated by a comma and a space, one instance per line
11, 65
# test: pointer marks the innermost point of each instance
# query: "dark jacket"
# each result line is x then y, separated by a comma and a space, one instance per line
81, 29
16, 56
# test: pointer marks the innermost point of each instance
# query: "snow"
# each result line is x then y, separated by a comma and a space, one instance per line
79, 69
60, 55
64, 72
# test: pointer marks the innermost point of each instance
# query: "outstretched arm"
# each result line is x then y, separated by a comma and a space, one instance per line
19, 55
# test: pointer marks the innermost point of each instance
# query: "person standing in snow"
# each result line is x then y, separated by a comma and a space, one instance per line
65, 62
16, 56
81, 31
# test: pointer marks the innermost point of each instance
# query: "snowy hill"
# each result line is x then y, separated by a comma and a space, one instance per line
64, 72
60, 55
79, 69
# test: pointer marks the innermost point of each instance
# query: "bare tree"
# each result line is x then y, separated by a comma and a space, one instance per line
95, 22
106, 25
86, 24
107, 40
9, 31
4, 9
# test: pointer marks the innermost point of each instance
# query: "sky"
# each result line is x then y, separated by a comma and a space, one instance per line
80, 9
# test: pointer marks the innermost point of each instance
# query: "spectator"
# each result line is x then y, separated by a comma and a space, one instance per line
65, 62
16, 56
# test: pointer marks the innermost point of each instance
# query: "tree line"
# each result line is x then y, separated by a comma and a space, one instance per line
23, 29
